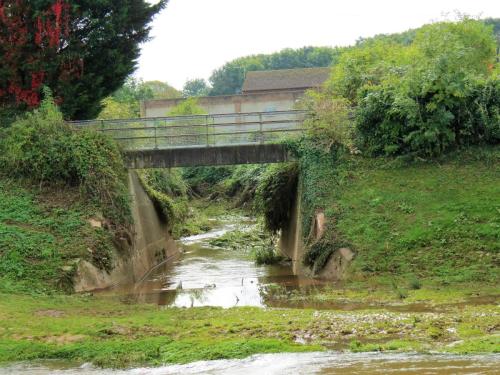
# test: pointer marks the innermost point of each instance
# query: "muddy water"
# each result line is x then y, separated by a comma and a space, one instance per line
325, 363
206, 275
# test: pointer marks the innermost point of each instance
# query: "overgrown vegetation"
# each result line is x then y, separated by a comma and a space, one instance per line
275, 195
43, 233
168, 192
426, 97
41, 147
53, 180
435, 219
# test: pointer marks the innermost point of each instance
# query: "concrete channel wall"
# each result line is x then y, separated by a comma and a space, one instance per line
150, 244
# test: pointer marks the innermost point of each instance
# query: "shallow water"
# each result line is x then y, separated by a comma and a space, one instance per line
204, 275
325, 363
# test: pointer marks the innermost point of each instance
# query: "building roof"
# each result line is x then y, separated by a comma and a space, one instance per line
285, 79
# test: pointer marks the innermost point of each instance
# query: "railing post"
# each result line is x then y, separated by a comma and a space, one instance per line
156, 140
261, 134
206, 127
102, 126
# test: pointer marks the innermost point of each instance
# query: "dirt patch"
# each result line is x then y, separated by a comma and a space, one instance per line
51, 313
58, 196
64, 339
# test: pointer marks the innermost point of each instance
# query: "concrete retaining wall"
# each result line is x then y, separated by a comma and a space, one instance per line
151, 245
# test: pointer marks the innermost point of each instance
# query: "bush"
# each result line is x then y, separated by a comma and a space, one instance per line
167, 181
42, 148
425, 98
276, 194
202, 179
391, 122
266, 255
329, 120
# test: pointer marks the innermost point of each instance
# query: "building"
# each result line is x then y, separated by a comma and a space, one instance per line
263, 91
271, 81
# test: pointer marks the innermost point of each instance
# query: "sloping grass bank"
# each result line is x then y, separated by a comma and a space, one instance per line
436, 219
42, 233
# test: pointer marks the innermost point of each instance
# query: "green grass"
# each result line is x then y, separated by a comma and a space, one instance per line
42, 233
439, 219
114, 334
411, 221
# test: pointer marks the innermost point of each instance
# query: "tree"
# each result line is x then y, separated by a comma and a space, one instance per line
228, 79
126, 101
113, 109
187, 107
195, 87
162, 90
82, 50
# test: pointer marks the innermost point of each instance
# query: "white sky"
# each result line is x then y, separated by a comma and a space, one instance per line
194, 37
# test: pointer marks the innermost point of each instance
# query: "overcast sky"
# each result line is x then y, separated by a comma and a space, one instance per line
191, 38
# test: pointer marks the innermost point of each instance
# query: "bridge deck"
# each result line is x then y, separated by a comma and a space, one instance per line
206, 156
236, 138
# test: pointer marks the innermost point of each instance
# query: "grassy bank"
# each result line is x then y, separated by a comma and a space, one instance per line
435, 220
43, 232
113, 334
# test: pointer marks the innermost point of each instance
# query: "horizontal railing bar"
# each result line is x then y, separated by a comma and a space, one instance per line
202, 125
163, 118
210, 134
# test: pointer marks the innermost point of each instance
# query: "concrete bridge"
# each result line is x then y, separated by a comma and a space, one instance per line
202, 140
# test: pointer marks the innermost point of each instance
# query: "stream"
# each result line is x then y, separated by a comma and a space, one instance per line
208, 275
324, 363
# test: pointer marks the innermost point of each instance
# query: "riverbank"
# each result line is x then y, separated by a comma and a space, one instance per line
110, 333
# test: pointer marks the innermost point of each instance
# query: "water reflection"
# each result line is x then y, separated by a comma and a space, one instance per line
205, 275
209, 276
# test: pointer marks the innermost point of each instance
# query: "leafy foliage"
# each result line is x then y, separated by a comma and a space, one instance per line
323, 174
329, 121
40, 146
425, 97
126, 101
275, 195
188, 106
168, 192
195, 87
68, 46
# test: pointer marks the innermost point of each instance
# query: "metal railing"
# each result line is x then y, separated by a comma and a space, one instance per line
200, 130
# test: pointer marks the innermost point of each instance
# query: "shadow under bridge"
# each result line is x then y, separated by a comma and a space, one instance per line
203, 140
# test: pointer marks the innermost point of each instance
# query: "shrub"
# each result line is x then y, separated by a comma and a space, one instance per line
425, 98
276, 194
167, 181
266, 255
202, 179
391, 122
42, 148
329, 120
